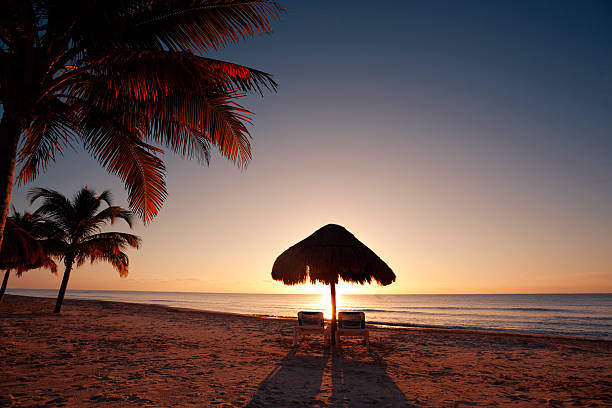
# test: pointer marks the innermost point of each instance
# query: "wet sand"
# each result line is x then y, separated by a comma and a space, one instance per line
109, 354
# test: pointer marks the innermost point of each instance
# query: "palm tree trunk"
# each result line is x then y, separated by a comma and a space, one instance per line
4, 283
62, 291
333, 323
9, 138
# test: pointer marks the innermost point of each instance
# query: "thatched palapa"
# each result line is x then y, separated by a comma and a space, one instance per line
330, 254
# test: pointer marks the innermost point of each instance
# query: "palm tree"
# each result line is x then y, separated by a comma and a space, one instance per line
78, 235
124, 78
26, 246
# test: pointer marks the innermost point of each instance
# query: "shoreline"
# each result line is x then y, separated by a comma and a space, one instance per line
119, 354
381, 325
314, 294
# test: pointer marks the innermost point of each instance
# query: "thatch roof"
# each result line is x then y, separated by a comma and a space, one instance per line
331, 253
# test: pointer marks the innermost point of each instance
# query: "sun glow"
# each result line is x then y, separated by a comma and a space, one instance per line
324, 303
342, 287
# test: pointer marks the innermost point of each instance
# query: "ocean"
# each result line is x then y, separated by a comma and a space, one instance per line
583, 315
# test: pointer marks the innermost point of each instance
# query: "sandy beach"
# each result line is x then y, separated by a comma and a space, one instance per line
119, 354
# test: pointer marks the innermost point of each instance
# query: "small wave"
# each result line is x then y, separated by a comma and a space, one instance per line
434, 326
539, 309
578, 332
373, 310
584, 318
275, 316
516, 309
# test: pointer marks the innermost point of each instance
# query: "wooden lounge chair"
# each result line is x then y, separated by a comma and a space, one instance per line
352, 324
309, 323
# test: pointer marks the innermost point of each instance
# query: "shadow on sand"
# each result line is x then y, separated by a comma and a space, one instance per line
325, 379
362, 380
296, 381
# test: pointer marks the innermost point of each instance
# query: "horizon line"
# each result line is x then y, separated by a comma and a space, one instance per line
345, 294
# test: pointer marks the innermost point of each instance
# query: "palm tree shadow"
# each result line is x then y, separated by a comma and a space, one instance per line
363, 382
296, 380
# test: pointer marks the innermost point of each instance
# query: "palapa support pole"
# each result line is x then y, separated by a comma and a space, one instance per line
333, 322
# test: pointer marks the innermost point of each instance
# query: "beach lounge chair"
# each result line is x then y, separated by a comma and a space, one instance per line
309, 323
352, 324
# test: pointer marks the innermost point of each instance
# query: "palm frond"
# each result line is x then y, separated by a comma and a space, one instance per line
142, 74
110, 240
121, 151
198, 26
24, 247
55, 206
49, 133
224, 126
45, 262
179, 99
111, 214
244, 78
115, 257
107, 197
190, 123
107, 247
86, 203
180, 139
118, 260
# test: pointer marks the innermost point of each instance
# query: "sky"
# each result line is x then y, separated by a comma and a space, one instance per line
469, 144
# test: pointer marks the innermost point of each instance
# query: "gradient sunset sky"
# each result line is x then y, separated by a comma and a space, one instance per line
469, 144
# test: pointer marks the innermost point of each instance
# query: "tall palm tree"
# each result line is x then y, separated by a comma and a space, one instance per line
124, 78
26, 246
78, 235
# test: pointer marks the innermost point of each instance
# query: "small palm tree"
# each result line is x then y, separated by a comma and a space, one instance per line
26, 246
78, 235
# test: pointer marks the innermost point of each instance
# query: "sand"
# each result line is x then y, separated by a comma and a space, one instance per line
107, 354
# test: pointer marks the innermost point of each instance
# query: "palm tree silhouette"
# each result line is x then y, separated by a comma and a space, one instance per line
77, 230
124, 78
26, 246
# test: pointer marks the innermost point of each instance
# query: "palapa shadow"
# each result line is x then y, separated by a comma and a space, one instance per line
329, 379
295, 381
363, 382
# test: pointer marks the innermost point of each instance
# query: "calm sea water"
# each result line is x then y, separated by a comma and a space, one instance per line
585, 315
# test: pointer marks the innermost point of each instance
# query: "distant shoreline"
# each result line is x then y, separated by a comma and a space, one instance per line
318, 294
379, 325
